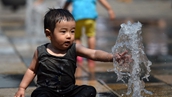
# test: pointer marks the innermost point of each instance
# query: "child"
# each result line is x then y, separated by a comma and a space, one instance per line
54, 63
85, 14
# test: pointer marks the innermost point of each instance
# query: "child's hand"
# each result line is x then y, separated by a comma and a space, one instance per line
20, 93
111, 14
123, 58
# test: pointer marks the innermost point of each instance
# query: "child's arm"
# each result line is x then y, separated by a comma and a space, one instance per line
66, 5
28, 77
108, 7
98, 55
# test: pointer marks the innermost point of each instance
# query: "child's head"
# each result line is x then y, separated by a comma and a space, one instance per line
56, 15
59, 26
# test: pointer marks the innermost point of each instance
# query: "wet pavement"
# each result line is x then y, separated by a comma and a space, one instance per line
17, 47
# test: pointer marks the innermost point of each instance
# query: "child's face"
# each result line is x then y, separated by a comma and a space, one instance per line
63, 35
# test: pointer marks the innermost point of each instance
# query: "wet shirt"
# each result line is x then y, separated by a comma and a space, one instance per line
84, 9
56, 72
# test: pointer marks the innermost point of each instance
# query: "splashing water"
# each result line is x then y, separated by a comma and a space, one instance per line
130, 39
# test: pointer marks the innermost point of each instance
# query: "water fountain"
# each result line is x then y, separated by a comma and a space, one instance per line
135, 71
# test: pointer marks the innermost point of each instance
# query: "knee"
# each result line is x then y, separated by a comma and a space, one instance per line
40, 92
92, 91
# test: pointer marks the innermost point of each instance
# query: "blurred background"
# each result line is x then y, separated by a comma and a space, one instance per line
21, 31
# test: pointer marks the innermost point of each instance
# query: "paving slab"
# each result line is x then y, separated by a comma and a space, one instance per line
165, 78
10, 92
158, 89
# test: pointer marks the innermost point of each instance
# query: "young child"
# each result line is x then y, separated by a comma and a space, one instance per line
54, 63
85, 14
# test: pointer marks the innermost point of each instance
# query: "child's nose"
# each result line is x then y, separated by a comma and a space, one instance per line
68, 35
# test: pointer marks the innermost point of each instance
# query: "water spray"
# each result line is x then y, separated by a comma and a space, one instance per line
130, 39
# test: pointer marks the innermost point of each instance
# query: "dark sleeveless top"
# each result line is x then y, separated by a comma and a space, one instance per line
56, 72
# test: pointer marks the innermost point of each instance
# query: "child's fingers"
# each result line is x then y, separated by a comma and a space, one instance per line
117, 56
123, 57
123, 53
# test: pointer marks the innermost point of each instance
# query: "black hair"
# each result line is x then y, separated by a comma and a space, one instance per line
56, 15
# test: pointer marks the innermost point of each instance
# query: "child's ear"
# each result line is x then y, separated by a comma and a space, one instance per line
48, 33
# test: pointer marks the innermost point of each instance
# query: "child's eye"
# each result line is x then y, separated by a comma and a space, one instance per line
72, 31
62, 31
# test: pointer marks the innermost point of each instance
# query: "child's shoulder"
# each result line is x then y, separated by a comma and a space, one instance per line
43, 45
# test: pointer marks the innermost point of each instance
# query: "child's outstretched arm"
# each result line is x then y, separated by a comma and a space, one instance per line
28, 77
109, 9
99, 55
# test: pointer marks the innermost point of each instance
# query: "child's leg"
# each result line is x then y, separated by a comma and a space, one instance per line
43, 92
40, 92
78, 69
91, 65
85, 91
78, 34
90, 32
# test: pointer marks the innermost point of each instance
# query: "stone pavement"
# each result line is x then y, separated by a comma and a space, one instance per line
17, 47
12, 67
